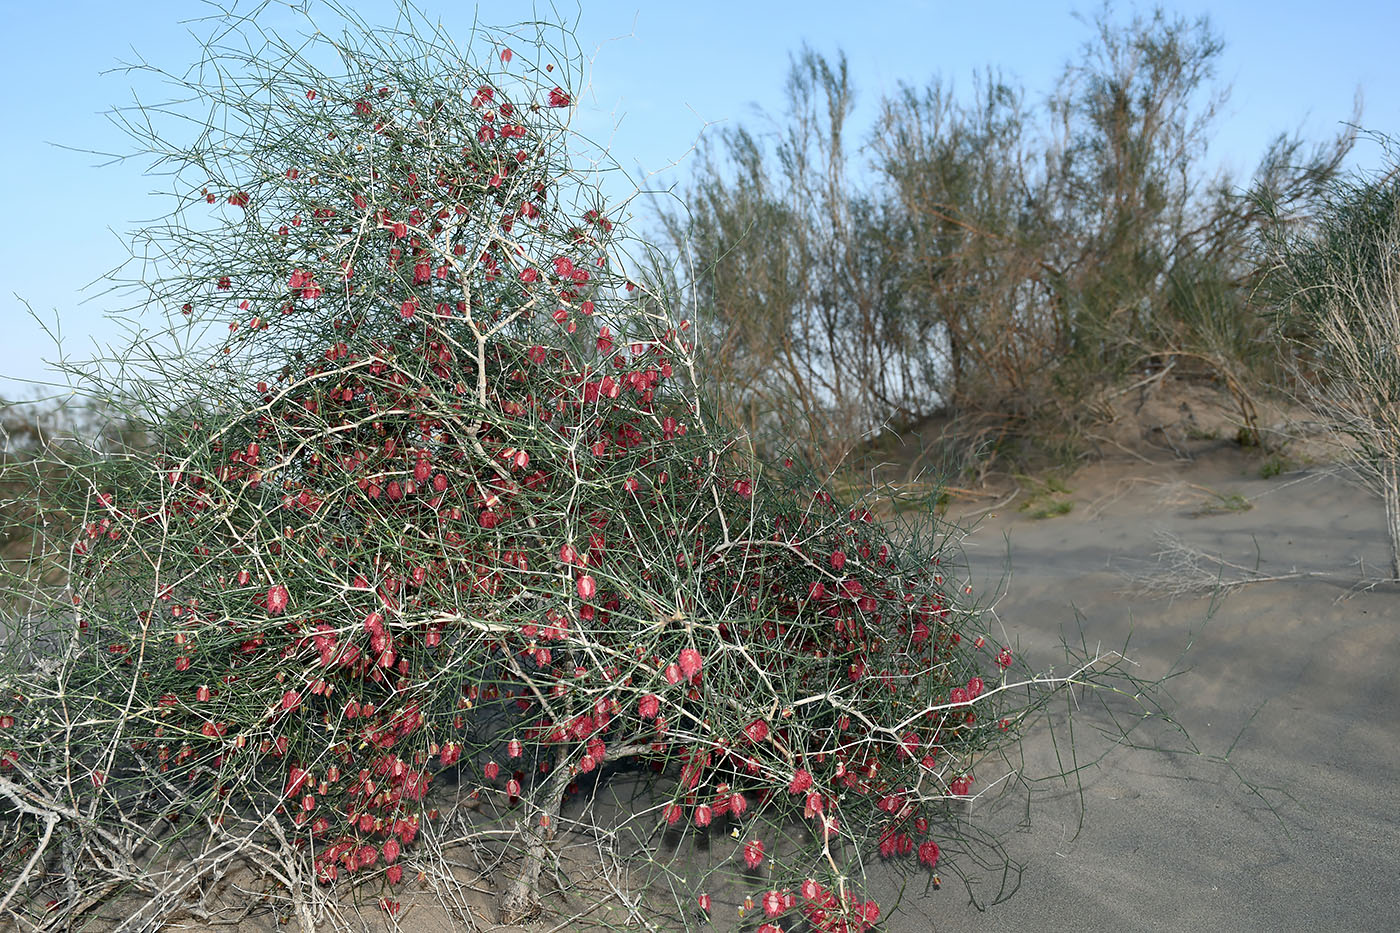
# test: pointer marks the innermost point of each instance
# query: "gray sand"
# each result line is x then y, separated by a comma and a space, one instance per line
1180, 842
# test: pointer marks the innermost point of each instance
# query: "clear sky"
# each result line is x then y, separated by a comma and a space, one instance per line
661, 71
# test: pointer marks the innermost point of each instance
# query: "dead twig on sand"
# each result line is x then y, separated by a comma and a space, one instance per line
1186, 570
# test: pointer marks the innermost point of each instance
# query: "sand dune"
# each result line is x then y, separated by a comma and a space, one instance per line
1301, 829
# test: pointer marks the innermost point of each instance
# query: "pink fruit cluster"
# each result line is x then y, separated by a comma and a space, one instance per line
469, 513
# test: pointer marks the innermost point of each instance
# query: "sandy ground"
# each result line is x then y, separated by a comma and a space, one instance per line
1294, 679
1298, 675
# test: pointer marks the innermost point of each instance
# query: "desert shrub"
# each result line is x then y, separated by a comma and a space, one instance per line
991, 260
1336, 284
433, 524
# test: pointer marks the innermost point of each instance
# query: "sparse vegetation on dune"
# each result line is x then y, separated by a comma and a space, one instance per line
441, 529
1336, 283
981, 260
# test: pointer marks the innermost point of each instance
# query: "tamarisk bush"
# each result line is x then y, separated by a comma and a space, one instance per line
442, 521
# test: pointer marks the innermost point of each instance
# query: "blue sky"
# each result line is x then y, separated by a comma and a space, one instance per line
660, 73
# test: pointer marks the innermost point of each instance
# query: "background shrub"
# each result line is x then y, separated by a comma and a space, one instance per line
981, 257
1336, 284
